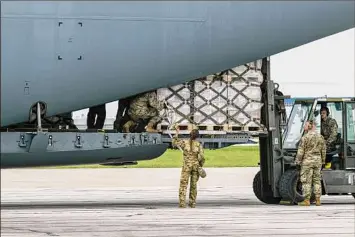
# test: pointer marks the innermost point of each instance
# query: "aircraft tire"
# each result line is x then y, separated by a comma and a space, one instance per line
264, 197
289, 187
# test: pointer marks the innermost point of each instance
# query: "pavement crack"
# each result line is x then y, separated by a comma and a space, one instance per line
43, 232
34, 231
138, 214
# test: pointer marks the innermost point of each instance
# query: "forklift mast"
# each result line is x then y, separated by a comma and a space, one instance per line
273, 117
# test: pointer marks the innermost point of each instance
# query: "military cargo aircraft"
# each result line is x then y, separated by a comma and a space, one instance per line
62, 56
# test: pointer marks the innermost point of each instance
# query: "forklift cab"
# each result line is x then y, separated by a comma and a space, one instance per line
342, 110
340, 179
278, 178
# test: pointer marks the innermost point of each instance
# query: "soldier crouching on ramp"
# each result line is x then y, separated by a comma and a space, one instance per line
311, 156
145, 106
193, 160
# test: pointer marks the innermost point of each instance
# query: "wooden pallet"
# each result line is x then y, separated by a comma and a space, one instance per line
182, 127
209, 127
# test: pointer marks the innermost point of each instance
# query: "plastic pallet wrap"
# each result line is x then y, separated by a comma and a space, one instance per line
210, 102
231, 98
178, 97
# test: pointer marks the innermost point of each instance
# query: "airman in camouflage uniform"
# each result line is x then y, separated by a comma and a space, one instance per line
193, 159
329, 130
310, 156
145, 106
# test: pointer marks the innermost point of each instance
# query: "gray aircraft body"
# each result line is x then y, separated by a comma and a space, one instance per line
72, 55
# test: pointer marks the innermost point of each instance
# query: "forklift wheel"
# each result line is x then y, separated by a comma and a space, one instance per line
290, 188
264, 197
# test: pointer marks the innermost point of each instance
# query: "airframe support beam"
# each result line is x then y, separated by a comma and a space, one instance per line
271, 166
37, 142
19, 149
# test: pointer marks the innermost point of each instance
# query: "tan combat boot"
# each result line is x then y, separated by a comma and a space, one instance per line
182, 204
150, 128
318, 201
305, 203
127, 126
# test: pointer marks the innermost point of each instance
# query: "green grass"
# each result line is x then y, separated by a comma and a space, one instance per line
246, 156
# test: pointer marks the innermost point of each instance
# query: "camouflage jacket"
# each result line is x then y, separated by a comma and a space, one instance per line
311, 150
329, 130
194, 156
146, 100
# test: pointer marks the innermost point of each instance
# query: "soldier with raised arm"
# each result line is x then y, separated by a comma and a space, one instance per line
193, 156
310, 157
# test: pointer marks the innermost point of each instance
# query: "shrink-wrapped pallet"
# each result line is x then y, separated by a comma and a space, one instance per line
248, 70
234, 98
210, 102
178, 97
245, 94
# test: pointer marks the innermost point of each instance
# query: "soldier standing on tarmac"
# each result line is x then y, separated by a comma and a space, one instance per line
193, 159
310, 157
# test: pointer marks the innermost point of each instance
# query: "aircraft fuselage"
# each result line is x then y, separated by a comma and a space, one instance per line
73, 55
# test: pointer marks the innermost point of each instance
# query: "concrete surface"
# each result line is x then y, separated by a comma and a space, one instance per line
143, 202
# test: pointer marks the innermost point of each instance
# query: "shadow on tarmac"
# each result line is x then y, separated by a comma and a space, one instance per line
148, 204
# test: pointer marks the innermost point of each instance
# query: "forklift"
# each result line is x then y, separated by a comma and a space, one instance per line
278, 178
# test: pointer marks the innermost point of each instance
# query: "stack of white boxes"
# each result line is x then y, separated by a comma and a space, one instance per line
207, 101
236, 91
250, 99
180, 104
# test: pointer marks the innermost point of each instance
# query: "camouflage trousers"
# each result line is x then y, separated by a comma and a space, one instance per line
146, 113
188, 172
100, 111
311, 176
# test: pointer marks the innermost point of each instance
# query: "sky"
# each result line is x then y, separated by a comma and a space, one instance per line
321, 68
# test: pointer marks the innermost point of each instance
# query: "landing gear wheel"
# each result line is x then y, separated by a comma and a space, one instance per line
264, 197
290, 187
